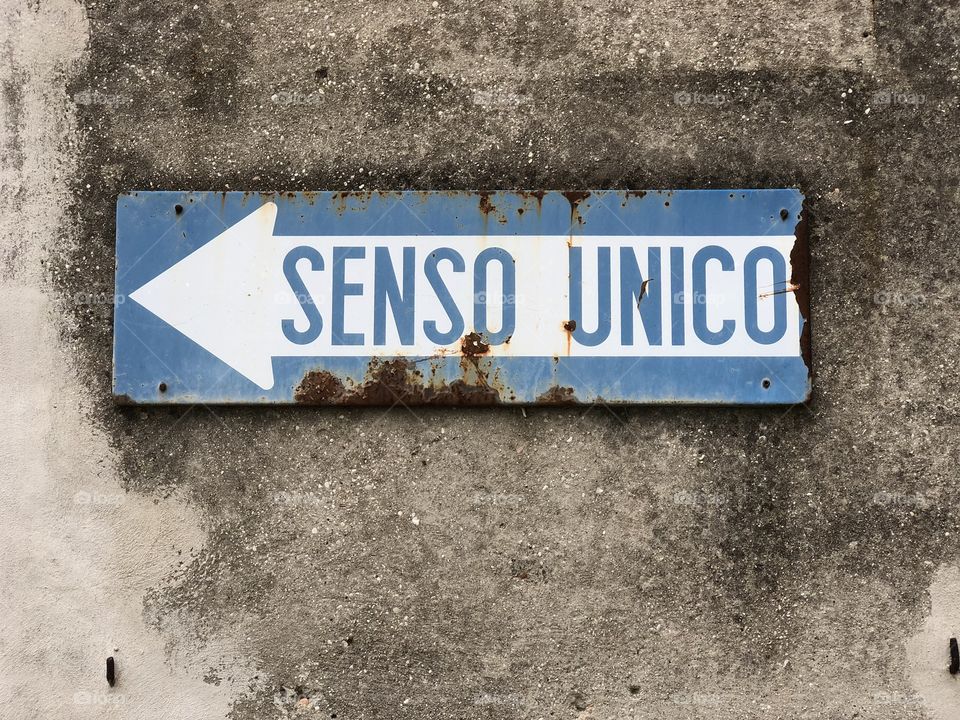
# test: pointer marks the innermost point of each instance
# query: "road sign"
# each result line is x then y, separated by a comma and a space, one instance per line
695, 296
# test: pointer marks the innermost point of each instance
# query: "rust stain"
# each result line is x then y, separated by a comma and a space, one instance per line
460, 393
319, 387
486, 206
643, 292
474, 366
575, 197
799, 279
557, 395
488, 209
789, 288
389, 382
568, 327
535, 195
473, 345
339, 202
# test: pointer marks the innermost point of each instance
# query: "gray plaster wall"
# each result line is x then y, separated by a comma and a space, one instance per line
484, 563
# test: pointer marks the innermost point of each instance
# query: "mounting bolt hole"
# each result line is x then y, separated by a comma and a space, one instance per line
178, 209
784, 214
162, 387
765, 383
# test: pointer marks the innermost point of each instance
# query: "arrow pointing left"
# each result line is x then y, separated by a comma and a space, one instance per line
214, 296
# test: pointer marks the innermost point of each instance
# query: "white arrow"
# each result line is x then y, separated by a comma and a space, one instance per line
231, 296
214, 296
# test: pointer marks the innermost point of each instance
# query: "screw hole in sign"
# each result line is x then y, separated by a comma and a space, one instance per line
765, 383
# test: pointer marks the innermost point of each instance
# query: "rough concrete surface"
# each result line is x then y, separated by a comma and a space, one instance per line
484, 563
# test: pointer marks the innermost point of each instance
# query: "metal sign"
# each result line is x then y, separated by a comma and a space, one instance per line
695, 296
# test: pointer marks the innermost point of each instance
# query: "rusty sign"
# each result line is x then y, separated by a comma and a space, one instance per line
694, 296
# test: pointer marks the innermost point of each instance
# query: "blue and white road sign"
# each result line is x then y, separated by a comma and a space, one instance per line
695, 296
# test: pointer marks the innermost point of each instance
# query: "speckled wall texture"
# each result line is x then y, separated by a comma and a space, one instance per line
481, 562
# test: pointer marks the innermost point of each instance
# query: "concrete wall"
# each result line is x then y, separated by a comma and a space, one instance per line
443, 563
